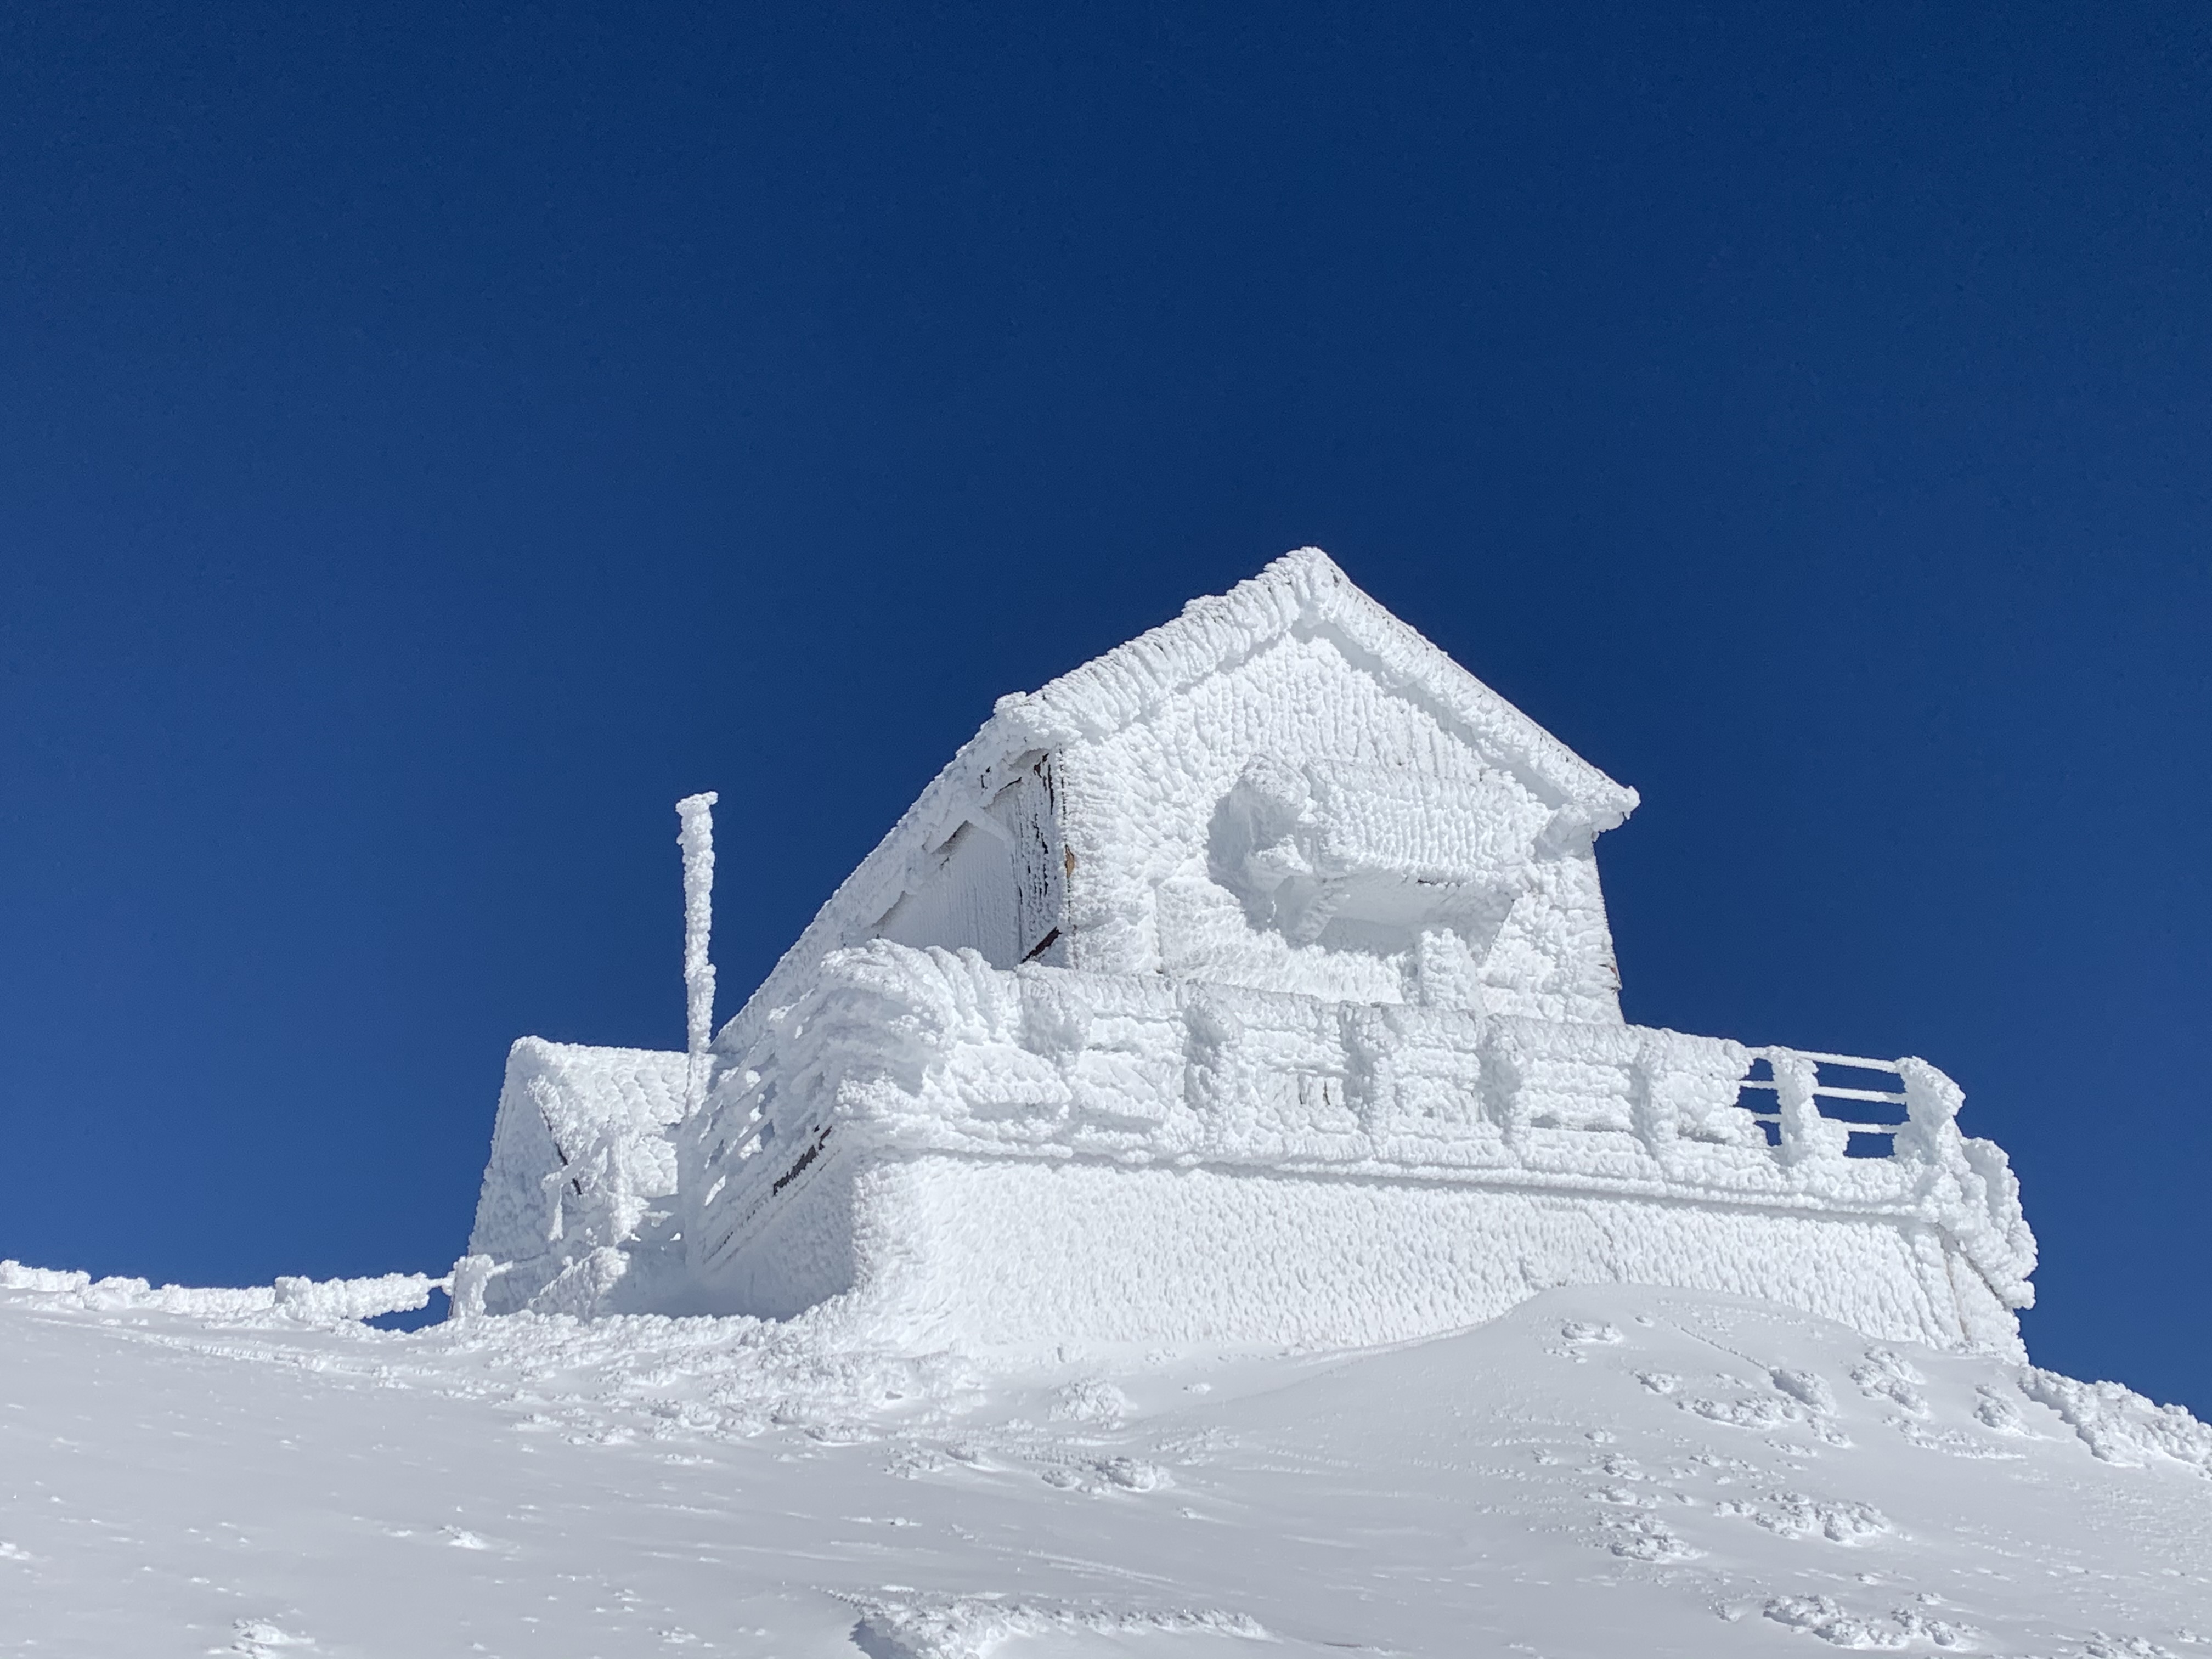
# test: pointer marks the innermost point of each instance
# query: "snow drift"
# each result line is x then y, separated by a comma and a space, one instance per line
1603, 1471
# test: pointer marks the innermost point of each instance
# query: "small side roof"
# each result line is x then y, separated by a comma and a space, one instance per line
1304, 593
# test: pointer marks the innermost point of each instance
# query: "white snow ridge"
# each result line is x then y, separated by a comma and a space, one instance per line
1190, 1192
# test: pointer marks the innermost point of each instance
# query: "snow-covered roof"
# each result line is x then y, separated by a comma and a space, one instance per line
1302, 593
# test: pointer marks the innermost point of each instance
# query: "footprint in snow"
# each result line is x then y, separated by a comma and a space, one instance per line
1994, 1411
1820, 1616
1107, 1474
1575, 1330
1793, 1515
1649, 1538
259, 1639
1620, 1495
1092, 1400
1888, 1376
2101, 1646
1752, 1413
1953, 1443
1807, 1388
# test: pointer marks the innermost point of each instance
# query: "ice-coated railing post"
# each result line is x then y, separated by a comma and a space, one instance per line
1932, 1101
695, 814
465, 1289
1805, 1133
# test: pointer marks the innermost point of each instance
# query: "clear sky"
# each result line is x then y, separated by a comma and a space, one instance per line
434, 438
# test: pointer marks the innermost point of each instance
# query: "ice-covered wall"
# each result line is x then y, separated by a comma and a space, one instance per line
998, 883
1470, 1138
578, 1200
1024, 1252
1292, 822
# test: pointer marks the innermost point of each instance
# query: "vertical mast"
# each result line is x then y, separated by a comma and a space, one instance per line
696, 838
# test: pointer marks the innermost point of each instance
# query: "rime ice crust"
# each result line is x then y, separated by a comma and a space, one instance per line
578, 1203
1251, 983
1008, 1153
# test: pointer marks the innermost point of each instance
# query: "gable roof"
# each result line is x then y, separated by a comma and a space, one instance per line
1302, 593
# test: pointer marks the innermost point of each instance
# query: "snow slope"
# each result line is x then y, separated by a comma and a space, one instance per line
1602, 1472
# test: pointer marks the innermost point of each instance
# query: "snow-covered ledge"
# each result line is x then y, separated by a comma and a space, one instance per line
1490, 1156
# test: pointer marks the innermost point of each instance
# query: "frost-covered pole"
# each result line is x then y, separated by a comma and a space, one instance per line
696, 838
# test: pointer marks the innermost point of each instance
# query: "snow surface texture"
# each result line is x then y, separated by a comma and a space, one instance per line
1252, 982
1605, 1471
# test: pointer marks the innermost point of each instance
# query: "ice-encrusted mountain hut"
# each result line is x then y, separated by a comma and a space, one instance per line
1251, 983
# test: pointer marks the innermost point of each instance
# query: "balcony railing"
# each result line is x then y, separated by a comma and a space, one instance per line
1798, 1126
927, 1051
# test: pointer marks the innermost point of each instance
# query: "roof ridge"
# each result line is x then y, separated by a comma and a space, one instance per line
1304, 587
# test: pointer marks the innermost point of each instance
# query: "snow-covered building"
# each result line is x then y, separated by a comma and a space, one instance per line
1249, 984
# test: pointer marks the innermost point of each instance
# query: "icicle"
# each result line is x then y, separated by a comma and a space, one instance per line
696, 838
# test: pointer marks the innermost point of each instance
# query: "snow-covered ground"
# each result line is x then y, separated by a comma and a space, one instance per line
1606, 1472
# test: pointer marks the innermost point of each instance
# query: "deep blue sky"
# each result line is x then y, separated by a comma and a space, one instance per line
432, 438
